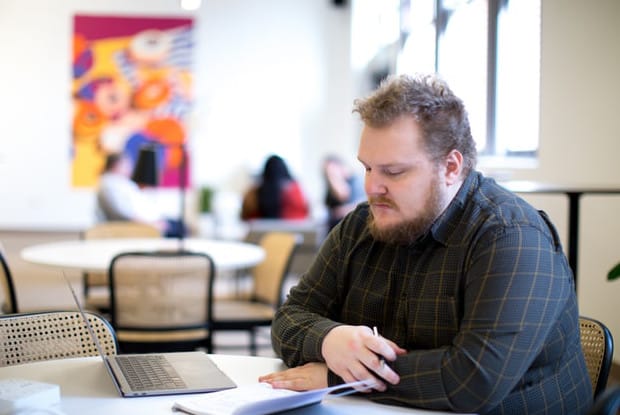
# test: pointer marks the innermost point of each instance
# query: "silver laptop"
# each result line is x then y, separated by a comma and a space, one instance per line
154, 374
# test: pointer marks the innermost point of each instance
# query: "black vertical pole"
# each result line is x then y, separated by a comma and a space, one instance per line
573, 231
182, 187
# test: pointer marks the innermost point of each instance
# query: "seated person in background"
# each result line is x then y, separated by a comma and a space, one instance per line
344, 190
466, 282
277, 196
120, 198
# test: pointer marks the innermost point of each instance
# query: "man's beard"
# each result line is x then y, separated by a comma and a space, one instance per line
409, 230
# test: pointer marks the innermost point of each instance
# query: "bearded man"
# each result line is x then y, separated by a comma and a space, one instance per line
467, 283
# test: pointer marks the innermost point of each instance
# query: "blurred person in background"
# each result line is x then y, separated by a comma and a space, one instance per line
121, 199
277, 195
344, 189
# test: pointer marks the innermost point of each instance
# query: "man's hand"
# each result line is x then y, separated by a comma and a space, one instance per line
309, 376
354, 353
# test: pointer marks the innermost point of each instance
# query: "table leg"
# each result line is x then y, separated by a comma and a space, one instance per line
573, 231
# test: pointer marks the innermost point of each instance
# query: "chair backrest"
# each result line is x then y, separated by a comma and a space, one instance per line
115, 229
269, 275
598, 345
161, 291
51, 335
121, 229
8, 298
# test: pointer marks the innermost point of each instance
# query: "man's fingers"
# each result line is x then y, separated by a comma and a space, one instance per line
383, 347
384, 370
362, 373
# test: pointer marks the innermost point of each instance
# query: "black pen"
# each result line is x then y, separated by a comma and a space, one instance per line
381, 358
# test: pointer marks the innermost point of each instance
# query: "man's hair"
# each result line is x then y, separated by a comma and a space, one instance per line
440, 114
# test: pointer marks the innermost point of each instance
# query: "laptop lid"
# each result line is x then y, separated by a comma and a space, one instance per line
196, 369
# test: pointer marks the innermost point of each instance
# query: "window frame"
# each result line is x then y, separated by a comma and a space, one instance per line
442, 15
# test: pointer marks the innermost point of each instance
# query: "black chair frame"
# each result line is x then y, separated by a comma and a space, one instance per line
9, 284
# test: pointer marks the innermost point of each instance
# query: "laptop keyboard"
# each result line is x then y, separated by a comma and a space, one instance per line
149, 372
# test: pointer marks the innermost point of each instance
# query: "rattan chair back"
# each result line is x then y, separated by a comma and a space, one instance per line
51, 335
99, 298
269, 275
161, 298
121, 229
597, 345
268, 281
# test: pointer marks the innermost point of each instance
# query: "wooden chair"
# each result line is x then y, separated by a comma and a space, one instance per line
50, 335
598, 346
96, 293
267, 285
161, 301
8, 298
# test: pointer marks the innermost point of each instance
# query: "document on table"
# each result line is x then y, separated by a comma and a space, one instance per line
258, 399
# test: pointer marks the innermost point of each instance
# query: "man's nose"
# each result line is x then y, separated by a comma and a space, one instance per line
373, 185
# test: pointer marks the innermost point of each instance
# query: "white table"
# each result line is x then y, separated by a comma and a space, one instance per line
86, 388
95, 255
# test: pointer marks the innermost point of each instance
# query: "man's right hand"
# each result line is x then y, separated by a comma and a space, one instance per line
354, 353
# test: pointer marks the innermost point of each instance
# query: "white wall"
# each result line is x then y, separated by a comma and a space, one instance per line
580, 138
271, 77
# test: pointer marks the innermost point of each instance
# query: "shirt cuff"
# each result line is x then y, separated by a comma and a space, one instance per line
333, 379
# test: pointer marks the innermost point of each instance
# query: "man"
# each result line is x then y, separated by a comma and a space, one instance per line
467, 283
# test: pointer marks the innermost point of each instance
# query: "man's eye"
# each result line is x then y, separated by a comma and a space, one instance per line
393, 172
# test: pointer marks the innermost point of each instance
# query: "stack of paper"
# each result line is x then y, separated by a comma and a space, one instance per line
257, 399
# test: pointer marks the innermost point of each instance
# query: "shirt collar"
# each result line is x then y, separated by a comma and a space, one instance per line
442, 227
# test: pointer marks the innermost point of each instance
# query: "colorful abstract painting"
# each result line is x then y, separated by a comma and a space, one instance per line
132, 85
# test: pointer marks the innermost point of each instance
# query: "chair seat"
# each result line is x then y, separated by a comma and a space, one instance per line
98, 298
232, 311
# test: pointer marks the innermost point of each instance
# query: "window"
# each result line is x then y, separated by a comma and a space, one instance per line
489, 53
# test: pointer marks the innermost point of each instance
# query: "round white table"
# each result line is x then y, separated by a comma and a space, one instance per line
95, 255
86, 388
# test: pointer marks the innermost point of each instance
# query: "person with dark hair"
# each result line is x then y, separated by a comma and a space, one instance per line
444, 290
277, 196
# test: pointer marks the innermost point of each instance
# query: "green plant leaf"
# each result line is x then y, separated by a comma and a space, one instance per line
614, 273
206, 199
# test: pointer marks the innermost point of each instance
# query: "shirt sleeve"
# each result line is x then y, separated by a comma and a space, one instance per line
308, 314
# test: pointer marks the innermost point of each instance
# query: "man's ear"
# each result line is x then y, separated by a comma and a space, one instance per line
454, 167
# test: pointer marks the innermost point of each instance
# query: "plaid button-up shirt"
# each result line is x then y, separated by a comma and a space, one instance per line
484, 303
